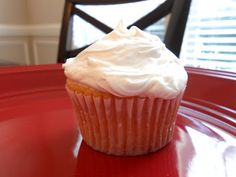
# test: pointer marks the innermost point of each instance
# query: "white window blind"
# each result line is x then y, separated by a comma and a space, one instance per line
210, 35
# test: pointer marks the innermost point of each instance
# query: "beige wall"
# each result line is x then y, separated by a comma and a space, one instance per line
45, 11
13, 12
30, 11
29, 30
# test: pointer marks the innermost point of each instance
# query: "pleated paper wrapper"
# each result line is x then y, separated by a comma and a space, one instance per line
125, 126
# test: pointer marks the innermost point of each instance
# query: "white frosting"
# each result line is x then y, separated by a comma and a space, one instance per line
129, 63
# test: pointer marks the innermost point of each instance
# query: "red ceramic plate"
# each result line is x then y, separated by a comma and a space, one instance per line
39, 137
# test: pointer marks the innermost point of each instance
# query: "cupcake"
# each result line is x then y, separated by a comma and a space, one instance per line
126, 89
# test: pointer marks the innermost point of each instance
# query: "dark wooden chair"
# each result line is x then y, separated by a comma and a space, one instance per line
173, 37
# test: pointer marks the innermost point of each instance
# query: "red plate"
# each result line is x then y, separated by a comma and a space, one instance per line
39, 136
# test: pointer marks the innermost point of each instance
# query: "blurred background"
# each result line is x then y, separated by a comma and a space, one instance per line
29, 31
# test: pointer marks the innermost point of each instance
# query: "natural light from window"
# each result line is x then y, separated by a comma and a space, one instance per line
210, 35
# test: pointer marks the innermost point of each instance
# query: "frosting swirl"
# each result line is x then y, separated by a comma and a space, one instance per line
129, 63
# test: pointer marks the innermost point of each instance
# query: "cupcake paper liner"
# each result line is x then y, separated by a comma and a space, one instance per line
125, 126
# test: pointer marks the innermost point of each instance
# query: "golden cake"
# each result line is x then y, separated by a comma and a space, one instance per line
126, 89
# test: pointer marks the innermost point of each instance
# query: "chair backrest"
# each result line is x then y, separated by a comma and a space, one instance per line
178, 9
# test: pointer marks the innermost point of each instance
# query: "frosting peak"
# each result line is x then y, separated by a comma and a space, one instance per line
129, 63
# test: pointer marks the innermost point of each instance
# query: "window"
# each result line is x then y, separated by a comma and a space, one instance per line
210, 35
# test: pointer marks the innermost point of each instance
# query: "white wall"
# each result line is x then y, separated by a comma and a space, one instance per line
29, 31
